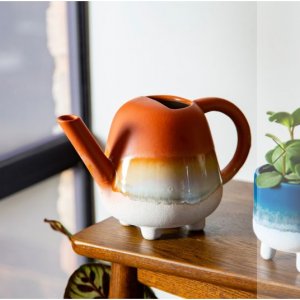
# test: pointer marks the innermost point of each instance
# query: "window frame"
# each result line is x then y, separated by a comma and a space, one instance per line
28, 165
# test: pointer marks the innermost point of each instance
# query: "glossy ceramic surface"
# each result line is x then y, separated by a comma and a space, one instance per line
278, 208
276, 219
168, 180
147, 128
159, 159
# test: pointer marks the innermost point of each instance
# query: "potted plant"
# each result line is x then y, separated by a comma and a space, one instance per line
90, 281
276, 220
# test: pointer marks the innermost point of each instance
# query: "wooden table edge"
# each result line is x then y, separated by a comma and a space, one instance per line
230, 280
144, 262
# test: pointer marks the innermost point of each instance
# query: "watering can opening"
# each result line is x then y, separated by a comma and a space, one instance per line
171, 101
67, 118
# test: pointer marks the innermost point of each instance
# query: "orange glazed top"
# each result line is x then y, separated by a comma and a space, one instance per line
158, 127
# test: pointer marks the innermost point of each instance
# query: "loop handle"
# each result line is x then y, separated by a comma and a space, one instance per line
243, 132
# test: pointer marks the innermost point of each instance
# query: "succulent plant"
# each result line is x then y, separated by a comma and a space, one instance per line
284, 159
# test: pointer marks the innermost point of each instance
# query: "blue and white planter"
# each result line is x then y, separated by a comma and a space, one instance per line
276, 219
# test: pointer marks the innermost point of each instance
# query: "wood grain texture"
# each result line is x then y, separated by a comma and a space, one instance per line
188, 288
124, 283
225, 253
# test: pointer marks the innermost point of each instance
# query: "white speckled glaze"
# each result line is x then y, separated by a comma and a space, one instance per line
159, 215
286, 241
272, 240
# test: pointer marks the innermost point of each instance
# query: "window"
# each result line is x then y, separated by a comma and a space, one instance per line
43, 73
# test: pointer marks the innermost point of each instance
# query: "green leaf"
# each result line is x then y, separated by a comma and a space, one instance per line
293, 155
277, 158
57, 226
292, 143
274, 138
270, 112
90, 281
297, 170
283, 118
292, 176
294, 182
269, 157
294, 161
296, 116
294, 151
268, 180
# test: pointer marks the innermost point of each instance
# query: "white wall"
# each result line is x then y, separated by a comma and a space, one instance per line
245, 52
187, 49
278, 69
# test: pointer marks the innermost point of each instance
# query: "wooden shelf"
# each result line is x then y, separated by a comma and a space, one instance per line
223, 259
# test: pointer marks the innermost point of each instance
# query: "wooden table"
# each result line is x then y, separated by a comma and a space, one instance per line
222, 261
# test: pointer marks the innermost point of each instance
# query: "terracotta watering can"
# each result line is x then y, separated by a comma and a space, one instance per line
160, 169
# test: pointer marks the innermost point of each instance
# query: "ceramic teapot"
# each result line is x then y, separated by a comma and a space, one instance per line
160, 169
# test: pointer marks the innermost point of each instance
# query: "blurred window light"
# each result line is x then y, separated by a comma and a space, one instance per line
35, 261
34, 72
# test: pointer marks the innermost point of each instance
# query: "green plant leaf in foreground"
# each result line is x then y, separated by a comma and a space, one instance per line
283, 118
270, 113
296, 116
294, 151
57, 226
269, 157
277, 158
297, 170
292, 144
90, 281
292, 176
274, 138
294, 161
268, 180
293, 156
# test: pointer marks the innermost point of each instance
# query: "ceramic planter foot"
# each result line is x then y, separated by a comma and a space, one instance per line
124, 223
298, 261
197, 226
150, 233
267, 252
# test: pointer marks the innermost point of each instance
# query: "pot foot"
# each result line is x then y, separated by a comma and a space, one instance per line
298, 262
267, 252
124, 223
197, 226
150, 233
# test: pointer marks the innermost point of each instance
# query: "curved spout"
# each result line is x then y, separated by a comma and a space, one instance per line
88, 149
